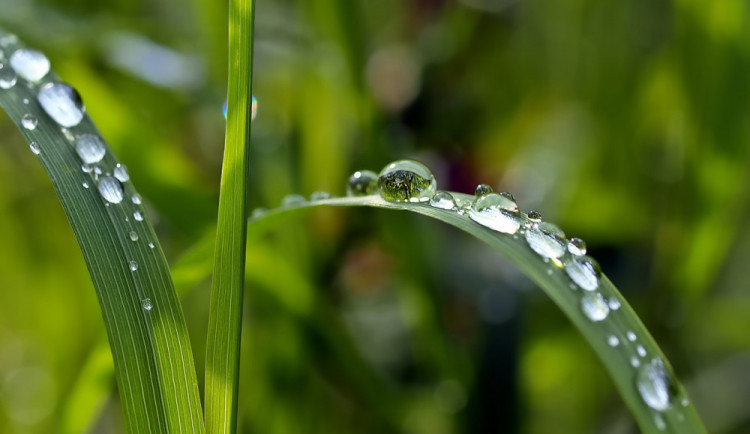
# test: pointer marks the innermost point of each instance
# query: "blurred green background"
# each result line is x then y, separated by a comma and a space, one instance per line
627, 123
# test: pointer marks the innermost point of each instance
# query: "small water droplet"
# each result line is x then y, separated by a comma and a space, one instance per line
612, 341
292, 201
85, 168
110, 189
32, 65
25, 101
8, 39
8, 77
614, 303
85, 184
655, 385
684, 402
442, 200
68, 135
136, 199
634, 362
584, 271
121, 173
133, 266
90, 148
545, 244
133, 236
320, 195
535, 216
258, 213
29, 121
362, 183
147, 305
462, 205
406, 181
659, 422
631, 336
34, 146
577, 246
496, 212
151, 245
98, 171
641, 350
62, 103
138, 216
482, 190
594, 306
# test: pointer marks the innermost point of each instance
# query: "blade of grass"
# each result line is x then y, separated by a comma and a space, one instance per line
225, 316
150, 347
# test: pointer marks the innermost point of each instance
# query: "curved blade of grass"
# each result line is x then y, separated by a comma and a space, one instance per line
680, 417
150, 348
225, 316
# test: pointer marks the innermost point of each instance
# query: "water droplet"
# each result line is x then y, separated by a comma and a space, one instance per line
29, 121
535, 216
614, 303
8, 77
85, 184
462, 205
146, 303
151, 245
641, 350
362, 183
634, 362
584, 271
30, 64
406, 181
292, 201
62, 103
496, 212
631, 336
320, 195
121, 173
68, 135
98, 171
659, 422
612, 341
34, 146
90, 148
110, 189
442, 200
133, 265
133, 236
655, 385
138, 216
577, 246
482, 190
258, 213
546, 244
253, 108
8, 39
594, 306
684, 402
136, 199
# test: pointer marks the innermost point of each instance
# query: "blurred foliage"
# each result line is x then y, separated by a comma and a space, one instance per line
628, 123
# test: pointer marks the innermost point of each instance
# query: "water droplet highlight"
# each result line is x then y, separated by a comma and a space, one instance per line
584, 271
133, 266
136, 199
110, 189
641, 350
62, 103
612, 341
32, 65
151, 245
497, 212
614, 303
577, 246
631, 336
655, 385
362, 183
594, 306
85, 184
443, 200
292, 201
121, 173
406, 181
8, 77
29, 121
138, 216
545, 244
482, 190
133, 236
34, 146
147, 305
90, 148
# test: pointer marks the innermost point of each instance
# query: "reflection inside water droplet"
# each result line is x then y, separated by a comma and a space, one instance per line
362, 183
406, 181
482, 190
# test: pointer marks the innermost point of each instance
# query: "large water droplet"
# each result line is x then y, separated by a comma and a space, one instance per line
30, 64
292, 201
496, 212
577, 246
110, 189
546, 244
34, 146
584, 271
482, 190
133, 266
655, 385
7, 77
362, 183
442, 200
90, 148
121, 173
62, 103
406, 181
29, 121
147, 305
594, 306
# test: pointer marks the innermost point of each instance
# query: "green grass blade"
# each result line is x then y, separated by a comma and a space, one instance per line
680, 417
225, 317
151, 350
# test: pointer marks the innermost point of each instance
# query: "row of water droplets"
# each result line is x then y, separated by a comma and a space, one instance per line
61, 102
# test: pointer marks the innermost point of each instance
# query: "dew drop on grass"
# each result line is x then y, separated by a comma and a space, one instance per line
121, 173
462, 205
641, 350
147, 305
535, 216
8, 77
90, 148
85, 184
151, 245
613, 341
584, 272
292, 201
29, 121
32, 65
258, 213
594, 306
133, 266
577, 246
362, 183
136, 199
482, 190
320, 195
659, 422
655, 385
138, 216
631, 336
110, 189
34, 146
497, 212
133, 236
614, 303
547, 244
62, 103
634, 362
406, 181
442, 200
